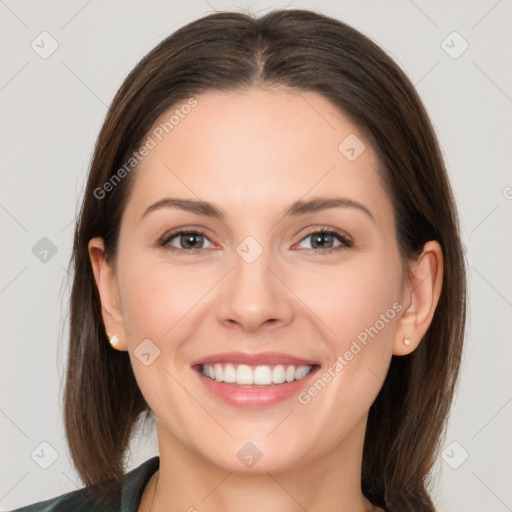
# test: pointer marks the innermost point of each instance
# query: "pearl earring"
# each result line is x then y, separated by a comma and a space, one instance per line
407, 341
114, 339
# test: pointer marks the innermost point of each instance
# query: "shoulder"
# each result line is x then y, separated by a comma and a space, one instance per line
125, 496
75, 500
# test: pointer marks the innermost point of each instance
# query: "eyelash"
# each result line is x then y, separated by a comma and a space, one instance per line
346, 243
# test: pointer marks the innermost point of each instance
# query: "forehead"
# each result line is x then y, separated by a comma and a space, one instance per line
258, 147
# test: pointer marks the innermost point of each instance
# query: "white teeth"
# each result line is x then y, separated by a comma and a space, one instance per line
263, 375
218, 372
244, 374
278, 374
229, 374
301, 372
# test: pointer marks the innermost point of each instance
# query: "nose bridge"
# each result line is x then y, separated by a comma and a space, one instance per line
252, 294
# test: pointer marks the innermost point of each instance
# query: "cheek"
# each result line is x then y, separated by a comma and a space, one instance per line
355, 308
157, 297
352, 298
359, 305
158, 305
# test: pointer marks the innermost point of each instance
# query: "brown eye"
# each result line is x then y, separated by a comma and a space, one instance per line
188, 241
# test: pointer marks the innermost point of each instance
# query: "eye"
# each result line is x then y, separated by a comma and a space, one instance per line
187, 241
323, 240
191, 241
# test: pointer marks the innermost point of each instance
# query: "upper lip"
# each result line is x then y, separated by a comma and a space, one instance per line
254, 359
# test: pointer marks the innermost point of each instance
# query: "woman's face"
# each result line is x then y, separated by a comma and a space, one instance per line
258, 279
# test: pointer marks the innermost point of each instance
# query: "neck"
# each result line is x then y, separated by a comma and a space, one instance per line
186, 481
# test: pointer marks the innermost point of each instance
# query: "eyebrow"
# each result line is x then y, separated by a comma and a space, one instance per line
300, 207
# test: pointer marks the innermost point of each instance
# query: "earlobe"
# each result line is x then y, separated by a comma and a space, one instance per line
106, 283
421, 296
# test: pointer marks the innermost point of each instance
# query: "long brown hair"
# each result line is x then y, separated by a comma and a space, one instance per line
306, 51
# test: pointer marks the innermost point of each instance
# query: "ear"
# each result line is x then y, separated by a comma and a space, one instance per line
422, 289
106, 282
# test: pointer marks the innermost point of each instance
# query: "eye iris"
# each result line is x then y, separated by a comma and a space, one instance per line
189, 239
318, 240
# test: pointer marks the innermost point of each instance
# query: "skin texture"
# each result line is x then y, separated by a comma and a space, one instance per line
253, 153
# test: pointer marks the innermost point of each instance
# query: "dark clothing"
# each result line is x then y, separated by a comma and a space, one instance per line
125, 498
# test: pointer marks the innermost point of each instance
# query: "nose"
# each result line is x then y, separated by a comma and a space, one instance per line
254, 295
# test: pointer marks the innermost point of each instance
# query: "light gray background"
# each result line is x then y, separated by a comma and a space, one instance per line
51, 111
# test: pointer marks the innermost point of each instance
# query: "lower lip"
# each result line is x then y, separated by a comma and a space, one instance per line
255, 397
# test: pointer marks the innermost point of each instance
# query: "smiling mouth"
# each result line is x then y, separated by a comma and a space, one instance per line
244, 375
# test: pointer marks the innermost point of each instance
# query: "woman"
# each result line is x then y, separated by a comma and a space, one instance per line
269, 241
